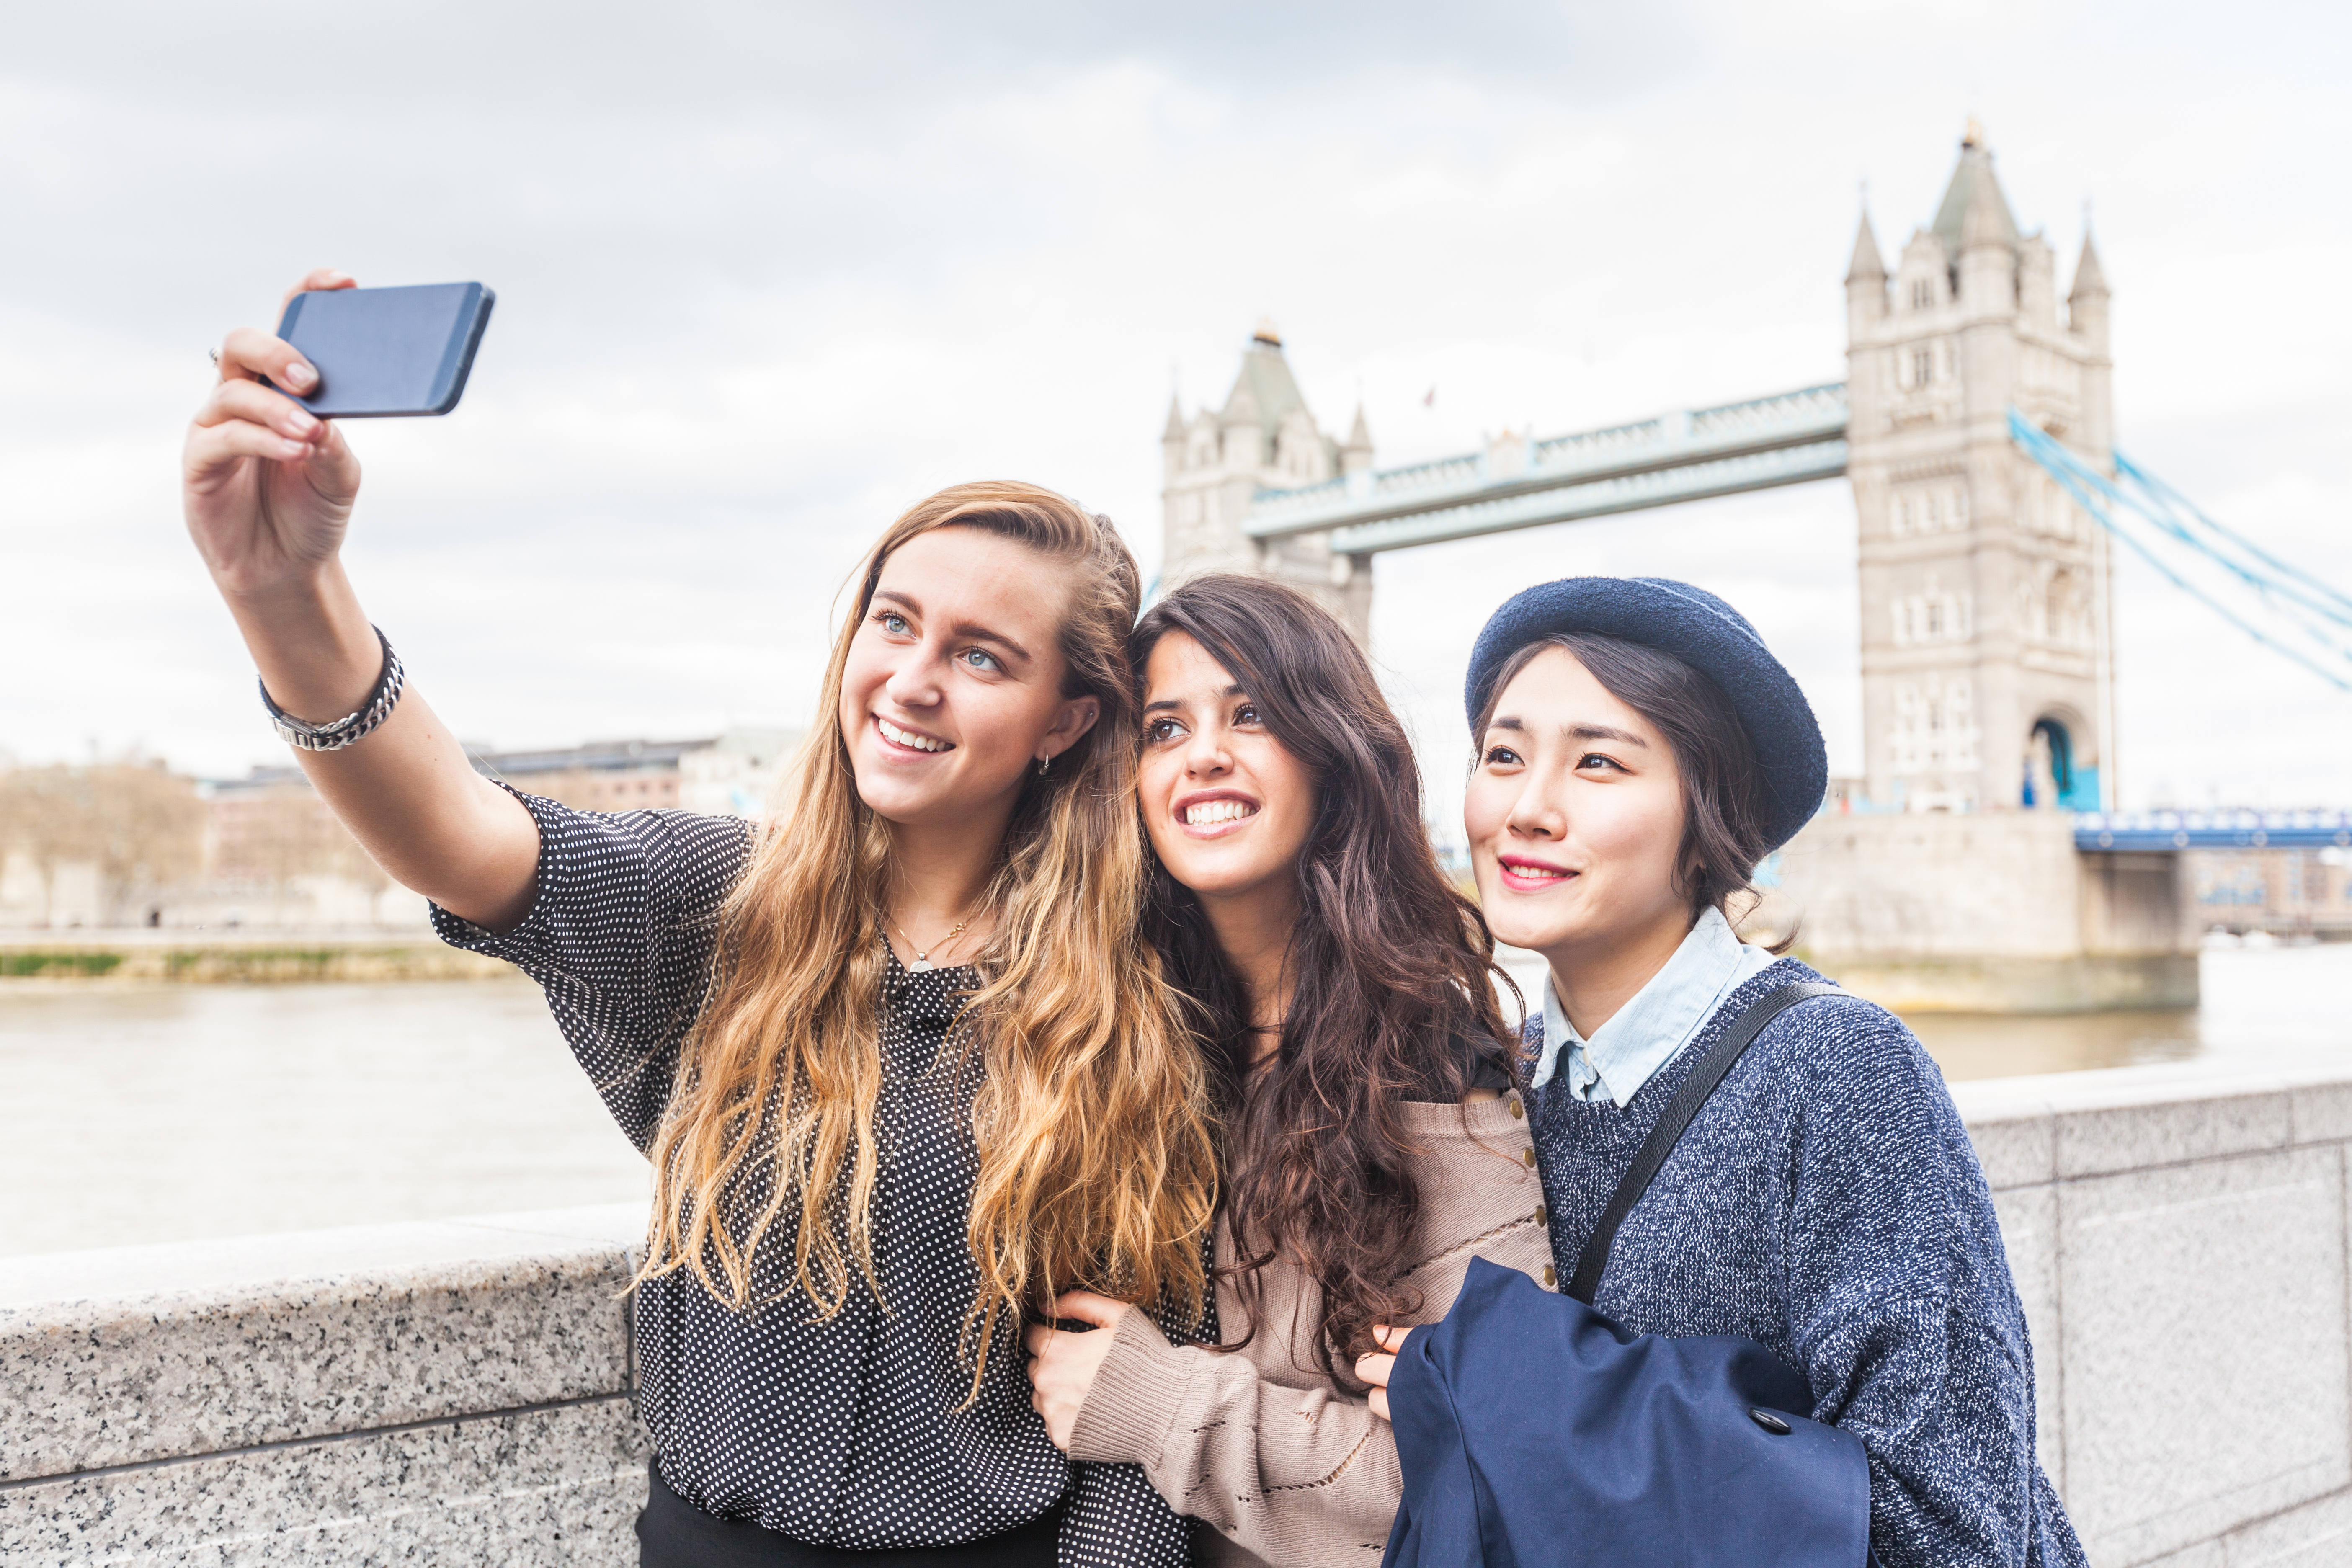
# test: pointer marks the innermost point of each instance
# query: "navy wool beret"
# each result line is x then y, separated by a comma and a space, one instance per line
1702, 631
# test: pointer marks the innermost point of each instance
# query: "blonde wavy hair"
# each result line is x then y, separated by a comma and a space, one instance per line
1091, 1119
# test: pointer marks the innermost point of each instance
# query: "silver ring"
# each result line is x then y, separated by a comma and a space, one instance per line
214, 354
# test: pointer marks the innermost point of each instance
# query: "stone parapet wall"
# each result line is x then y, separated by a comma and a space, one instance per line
2178, 1235
459, 1391
454, 1392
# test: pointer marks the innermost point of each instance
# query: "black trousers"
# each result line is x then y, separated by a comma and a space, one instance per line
674, 1533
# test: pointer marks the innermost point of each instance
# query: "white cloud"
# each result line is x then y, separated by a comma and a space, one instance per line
767, 273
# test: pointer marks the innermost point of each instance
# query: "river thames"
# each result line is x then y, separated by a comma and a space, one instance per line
175, 1112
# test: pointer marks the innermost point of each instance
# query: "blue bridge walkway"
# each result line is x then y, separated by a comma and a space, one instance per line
2218, 829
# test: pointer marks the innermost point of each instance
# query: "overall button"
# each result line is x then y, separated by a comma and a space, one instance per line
1517, 1110
1770, 1422
1543, 1216
1551, 1278
1528, 1156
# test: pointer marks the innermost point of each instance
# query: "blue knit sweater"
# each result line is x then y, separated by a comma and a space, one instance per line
1827, 1204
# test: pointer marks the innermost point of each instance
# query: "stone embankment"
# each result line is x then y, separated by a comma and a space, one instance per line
1985, 912
459, 1392
200, 957
453, 1393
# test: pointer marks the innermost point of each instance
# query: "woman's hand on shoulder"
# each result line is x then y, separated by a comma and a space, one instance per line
266, 485
1063, 1362
1380, 1366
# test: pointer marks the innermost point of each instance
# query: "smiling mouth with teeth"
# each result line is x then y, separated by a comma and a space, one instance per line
1209, 813
908, 739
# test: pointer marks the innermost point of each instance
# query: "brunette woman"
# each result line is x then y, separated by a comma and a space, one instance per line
1374, 1140
902, 1061
1639, 751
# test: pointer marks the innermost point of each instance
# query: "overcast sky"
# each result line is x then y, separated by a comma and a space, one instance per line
767, 274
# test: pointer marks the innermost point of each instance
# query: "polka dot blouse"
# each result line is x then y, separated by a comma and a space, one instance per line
851, 1432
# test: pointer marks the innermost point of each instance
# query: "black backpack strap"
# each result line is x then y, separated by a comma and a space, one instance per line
1677, 1116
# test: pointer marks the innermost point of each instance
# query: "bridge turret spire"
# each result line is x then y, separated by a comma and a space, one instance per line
1989, 262
2087, 317
1865, 283
1172, 440
1244, 437
1986, 221
2090, 281
1971, 177
1356, 456
1866, 266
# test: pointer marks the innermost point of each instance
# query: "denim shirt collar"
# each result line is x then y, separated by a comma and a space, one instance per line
1642, 1036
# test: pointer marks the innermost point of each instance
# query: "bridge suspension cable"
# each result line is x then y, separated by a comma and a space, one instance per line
2294, 598
2290, 580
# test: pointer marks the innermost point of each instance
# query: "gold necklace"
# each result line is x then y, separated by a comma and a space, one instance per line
923, 959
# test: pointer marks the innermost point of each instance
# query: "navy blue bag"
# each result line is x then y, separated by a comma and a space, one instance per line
1534, 1431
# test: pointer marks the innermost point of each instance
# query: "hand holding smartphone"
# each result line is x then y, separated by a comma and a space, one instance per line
386, 352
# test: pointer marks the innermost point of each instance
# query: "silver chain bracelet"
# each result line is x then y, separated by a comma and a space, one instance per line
351, 727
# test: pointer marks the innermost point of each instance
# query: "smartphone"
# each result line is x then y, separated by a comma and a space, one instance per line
380, 352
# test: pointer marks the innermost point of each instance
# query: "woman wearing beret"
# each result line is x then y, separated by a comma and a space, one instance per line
1639, 752
1374, 1140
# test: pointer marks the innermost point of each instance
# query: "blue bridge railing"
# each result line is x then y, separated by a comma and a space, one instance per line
2216, 829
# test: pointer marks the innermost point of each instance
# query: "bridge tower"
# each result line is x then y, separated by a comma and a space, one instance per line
1265, 437
1987, 623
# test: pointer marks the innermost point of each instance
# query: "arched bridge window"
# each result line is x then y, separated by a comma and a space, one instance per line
2051, 758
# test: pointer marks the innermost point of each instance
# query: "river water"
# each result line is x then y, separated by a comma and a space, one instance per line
175, 1112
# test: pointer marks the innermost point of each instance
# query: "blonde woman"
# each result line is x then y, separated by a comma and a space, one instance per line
903, 1064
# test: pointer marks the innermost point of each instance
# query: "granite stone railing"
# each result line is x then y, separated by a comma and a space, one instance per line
454, 1392
2178, 1235
459, 1391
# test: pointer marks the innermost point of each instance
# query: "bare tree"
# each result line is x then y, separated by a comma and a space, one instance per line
140, 825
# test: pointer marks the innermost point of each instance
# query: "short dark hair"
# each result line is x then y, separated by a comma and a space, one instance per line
1724, 807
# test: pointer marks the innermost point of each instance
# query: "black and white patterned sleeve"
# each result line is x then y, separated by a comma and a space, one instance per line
1115, 1518
619, 935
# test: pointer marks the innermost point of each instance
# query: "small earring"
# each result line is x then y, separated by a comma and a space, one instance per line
1043, 764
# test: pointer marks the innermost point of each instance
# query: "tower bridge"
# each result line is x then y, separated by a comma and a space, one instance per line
1972, 864
1988, 631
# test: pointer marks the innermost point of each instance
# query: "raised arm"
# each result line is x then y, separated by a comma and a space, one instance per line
268, 491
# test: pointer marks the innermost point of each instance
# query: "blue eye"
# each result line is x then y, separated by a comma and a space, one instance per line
892, 622
980, 658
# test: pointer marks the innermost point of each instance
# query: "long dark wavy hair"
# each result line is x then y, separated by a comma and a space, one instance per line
1395, 981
